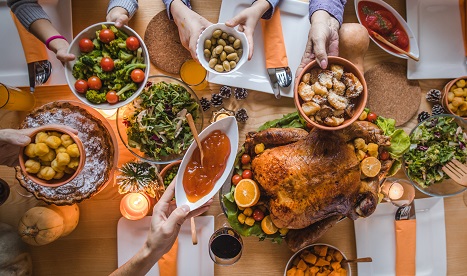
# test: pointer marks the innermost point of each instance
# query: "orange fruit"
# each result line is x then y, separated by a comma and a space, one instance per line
370, 166
246, 193
268, 227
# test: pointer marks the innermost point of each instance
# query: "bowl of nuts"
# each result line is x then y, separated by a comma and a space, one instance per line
54, 157
221, 49
455, 97
330, 98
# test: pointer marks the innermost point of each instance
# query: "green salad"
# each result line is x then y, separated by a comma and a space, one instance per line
158, 126
433, 144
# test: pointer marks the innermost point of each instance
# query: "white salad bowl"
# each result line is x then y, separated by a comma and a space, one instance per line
228, 126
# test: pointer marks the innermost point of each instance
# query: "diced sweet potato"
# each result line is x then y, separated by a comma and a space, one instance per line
335, 265
295, 261
322, 262
328, 258
310, 258
299, 273
313, 270
302, 265
342, 271
291, 272
321, 250
338, 256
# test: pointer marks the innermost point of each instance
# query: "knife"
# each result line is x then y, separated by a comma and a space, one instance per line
274, 48
405, 225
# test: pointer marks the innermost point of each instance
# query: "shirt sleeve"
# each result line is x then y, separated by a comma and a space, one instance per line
167, 4
268, 14
333, 7
131, 6
27, 11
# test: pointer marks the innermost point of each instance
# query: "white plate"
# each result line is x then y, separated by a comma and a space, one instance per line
413, 45
229, 126
253, 74
376, 239
437, 25
192, 259
13, 67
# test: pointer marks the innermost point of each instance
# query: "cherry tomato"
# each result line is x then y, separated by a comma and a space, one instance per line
137, 75
111, 97
107, 64
132, 43
247, 174
94, 83
258, 214
372, 117
81, 86
384, 155
246, 159
86, 45
106, 35
236, 178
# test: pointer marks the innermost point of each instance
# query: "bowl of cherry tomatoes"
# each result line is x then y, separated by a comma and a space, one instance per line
111, 66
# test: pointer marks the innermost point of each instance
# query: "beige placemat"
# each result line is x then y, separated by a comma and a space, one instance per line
391, 94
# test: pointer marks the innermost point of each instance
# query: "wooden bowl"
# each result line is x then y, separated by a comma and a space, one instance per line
66, 177
444, 99
360, 100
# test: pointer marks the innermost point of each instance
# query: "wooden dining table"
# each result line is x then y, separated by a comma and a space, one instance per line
91, 249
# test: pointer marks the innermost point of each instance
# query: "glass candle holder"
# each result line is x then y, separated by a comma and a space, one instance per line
399, 192
135, 206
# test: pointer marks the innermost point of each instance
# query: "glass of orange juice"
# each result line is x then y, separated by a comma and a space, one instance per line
193, 74
12, 98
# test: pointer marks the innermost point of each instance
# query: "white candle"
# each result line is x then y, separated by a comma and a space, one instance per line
134, 206
396, 191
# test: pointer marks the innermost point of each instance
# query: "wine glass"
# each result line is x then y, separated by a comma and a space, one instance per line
225, 244
399, 192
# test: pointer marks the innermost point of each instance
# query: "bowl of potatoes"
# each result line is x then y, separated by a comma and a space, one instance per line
54, 157
318, 259
454, 98
222, 49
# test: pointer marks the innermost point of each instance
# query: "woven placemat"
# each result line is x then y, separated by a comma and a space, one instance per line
163, 43
391, 94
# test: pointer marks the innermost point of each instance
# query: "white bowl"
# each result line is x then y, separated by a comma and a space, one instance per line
413, 45
228, 126
207, 33
90, 32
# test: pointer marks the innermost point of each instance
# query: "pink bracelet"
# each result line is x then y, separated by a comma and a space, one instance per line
53, 38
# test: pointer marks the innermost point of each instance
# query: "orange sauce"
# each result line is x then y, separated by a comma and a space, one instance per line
199, 180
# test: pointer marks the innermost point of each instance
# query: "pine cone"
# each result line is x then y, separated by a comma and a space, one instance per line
205, 103
423, 116
437, 109
225, 91
433, 96
241, 115
216, 100
240, 93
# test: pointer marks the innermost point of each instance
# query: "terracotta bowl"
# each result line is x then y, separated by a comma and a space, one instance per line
444, 99
168, 167
66, 177
360, 100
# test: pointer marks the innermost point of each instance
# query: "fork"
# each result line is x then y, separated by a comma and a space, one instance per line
43, 69
404, 214
457, 171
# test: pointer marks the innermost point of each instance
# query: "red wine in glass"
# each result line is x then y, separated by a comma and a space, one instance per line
225, 246
4, 191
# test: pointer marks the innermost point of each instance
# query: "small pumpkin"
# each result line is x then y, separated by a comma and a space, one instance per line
14, 257
70, 215
40, 226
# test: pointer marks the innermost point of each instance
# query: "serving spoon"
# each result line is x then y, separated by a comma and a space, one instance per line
359, 260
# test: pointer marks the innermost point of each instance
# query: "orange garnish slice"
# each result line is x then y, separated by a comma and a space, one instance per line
268, 227
370, 166
246, 193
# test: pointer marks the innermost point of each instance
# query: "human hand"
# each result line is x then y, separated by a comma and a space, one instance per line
60, 47
11, 140
118, 15
167, 220
323, 40
247, 19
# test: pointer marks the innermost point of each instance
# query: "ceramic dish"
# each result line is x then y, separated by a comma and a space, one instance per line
253, 74
207, 34
90, 32
437, 25
192, 259
375, 237
413, 45
229, 127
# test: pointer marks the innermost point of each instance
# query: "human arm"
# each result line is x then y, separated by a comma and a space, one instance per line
120, 11
165, 226
247, 19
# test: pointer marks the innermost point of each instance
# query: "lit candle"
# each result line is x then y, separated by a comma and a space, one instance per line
396, 191
107, 113
134, 206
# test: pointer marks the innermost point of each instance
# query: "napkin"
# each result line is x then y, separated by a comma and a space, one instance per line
168, 262
463, 9
274, 46
34, 49
405, 247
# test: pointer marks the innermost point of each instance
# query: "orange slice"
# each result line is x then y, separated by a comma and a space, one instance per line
370, 166
246, 193
268, 227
